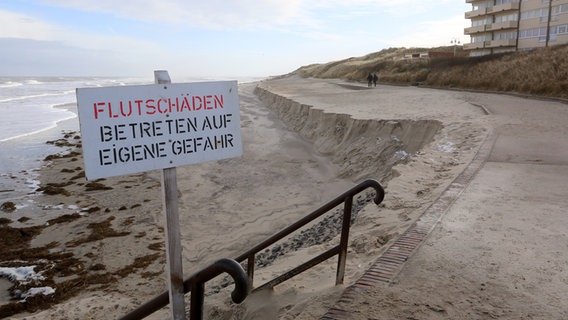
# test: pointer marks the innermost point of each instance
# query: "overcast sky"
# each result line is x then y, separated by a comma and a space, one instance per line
212, 38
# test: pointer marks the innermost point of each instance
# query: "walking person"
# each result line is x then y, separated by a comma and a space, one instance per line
375, 79
369, 80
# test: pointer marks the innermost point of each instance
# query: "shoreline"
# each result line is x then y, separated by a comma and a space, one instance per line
100, 226
18, 173
65, 106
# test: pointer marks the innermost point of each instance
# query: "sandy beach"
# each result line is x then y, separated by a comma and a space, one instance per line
101, 243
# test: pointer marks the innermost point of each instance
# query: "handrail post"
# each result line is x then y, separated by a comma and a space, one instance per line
250, 270
197, 299
343, 242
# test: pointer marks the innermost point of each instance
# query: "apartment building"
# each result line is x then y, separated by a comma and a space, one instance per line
514, 25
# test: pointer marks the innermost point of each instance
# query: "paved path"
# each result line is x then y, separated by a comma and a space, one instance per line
500, 248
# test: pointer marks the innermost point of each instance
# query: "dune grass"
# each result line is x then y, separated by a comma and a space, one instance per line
542, 72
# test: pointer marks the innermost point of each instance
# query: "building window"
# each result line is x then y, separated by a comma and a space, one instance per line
505, 35
532, 33
560, 9
481, 22
499, 2
478, 39
505, 18
534, 14
483, 5
561, 29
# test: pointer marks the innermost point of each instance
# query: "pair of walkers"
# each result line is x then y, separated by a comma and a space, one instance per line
372, 79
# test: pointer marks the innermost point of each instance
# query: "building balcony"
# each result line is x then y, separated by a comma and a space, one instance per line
504, 7
501, 26
501, 43
472, 30
475, 45
475, 13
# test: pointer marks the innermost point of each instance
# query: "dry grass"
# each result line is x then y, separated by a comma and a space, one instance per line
542, 72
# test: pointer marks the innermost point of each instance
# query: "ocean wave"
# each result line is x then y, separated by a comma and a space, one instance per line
10, 84
33, 81
47, 127
36, 96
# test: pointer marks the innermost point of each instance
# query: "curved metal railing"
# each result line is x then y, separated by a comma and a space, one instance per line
195, 284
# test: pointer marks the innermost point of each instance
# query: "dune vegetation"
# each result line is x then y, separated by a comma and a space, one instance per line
541, 72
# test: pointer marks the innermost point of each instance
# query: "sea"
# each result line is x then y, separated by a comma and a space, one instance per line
34, 110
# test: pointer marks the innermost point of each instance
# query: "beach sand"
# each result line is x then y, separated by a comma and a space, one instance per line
305, 142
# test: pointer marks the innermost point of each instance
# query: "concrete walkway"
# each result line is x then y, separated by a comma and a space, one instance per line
500, 248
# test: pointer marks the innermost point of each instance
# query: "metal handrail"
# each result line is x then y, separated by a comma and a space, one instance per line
347, 199
244, 281
196, 284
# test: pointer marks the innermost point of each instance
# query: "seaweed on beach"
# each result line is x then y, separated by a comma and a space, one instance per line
62, 155
64, 218
80, 280
53, 190
54, 263
17, 252
8, 206
79, 175
99, 231
93, 186
57, 264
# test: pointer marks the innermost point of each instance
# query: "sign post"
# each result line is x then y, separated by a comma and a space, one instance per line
131, 129
173, 235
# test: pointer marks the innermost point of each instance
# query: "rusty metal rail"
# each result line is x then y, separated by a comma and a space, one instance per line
196, 284
341, 250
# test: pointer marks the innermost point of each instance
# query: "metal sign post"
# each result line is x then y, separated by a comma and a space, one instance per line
173, 236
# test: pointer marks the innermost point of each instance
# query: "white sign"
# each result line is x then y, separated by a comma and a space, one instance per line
132, 129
